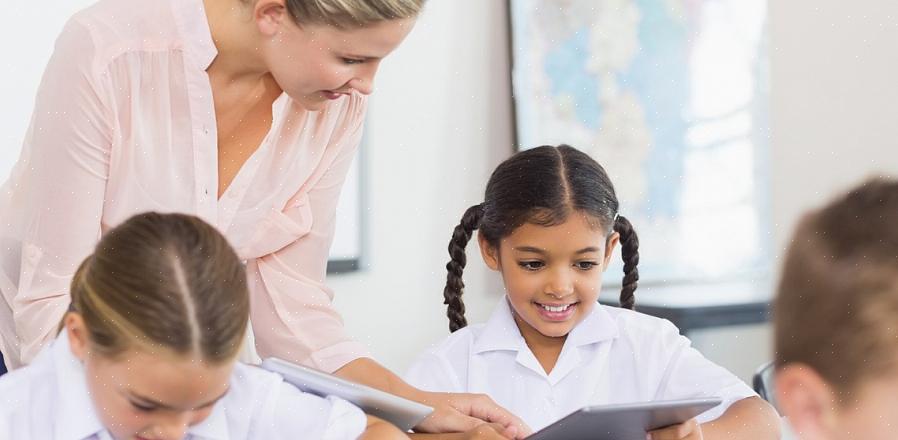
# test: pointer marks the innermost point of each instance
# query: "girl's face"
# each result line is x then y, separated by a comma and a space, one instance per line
316, 63
552, 274
140, 395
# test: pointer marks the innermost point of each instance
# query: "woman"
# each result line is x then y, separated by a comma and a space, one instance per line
245, 113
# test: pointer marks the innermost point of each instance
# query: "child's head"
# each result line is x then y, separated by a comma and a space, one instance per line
159, 312
549, 223
836, 319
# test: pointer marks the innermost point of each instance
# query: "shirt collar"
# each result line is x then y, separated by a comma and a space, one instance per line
75, 417
190, 18
501, 332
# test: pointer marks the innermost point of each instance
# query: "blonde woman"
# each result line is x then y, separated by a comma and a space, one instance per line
245, 113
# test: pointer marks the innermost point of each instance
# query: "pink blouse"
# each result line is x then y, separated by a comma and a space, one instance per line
124, 123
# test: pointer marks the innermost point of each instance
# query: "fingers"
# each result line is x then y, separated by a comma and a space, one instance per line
688, 430
484, 408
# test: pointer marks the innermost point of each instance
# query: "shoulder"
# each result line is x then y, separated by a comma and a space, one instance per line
638, 324
27, 391
109, 28
443, 366
273, 408
457, 345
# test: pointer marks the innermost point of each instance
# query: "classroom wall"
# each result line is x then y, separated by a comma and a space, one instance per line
440, 122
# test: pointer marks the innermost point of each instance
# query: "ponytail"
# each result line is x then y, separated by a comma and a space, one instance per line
630, 254
454, 284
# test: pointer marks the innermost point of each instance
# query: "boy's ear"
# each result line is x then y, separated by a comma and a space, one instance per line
610, 244
76, 331
488, 252
807, 401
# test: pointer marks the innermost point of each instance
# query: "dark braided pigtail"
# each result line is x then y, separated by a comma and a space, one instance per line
456, 265
630, 254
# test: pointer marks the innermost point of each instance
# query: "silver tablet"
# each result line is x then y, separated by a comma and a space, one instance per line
624, 422
403, 413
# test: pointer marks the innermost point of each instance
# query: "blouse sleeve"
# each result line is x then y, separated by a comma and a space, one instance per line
691, 375
55, 195
292, 311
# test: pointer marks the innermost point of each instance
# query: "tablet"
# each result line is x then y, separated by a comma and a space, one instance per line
624, 422
403, 413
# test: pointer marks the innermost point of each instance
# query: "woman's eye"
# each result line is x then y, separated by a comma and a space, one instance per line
352, 61
531, 265
586, 265
142, 408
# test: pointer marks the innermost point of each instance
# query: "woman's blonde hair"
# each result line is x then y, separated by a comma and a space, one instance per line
163, 281
351, 13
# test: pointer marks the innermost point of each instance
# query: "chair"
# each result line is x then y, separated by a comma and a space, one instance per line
763, 384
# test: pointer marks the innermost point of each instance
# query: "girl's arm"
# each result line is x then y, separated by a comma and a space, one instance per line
750, 418
377, 429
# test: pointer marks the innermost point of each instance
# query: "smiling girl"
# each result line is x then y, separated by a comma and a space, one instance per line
549, 224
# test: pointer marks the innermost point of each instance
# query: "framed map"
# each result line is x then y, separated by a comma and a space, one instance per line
671, 97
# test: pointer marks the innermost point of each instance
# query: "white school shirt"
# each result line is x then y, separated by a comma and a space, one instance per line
613, 356
49, 399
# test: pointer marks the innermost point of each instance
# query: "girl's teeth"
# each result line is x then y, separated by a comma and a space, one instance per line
555, 309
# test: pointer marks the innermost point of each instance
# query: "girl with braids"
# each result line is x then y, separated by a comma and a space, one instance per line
549, 224
836, 319
148, 349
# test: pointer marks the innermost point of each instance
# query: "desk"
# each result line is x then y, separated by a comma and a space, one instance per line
697, 306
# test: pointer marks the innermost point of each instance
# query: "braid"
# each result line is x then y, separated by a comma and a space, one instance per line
456, 265
630, 255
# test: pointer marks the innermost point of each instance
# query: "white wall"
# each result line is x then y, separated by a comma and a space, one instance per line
440, 122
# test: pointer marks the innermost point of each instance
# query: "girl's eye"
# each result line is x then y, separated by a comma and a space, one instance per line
142, 408
586, 265
531, 265
352, 61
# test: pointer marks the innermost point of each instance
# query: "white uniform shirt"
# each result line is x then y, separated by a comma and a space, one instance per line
613, 356
49, 400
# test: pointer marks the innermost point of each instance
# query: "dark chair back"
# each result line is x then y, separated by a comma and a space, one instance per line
762, 382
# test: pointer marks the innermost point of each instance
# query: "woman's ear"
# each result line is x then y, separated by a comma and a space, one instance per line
489, 253
270, 15
807, 401
610, 244
76, 331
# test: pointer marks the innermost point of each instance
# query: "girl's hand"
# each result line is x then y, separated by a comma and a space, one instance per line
689, 430
458, 412
486, 431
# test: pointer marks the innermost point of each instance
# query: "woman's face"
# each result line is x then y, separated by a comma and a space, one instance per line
141, 395
315, 63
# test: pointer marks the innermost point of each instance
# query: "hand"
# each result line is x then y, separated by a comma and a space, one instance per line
486, 431
689, 430
466, 412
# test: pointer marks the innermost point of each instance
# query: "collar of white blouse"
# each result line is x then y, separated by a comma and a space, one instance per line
502, 334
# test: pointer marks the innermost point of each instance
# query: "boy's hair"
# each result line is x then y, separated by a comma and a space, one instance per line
541, 186
836, 308
163, 281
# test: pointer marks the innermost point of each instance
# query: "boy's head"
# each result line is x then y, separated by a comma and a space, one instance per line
836, 318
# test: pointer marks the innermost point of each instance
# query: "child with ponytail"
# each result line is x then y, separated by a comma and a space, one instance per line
148, 350
549, 224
